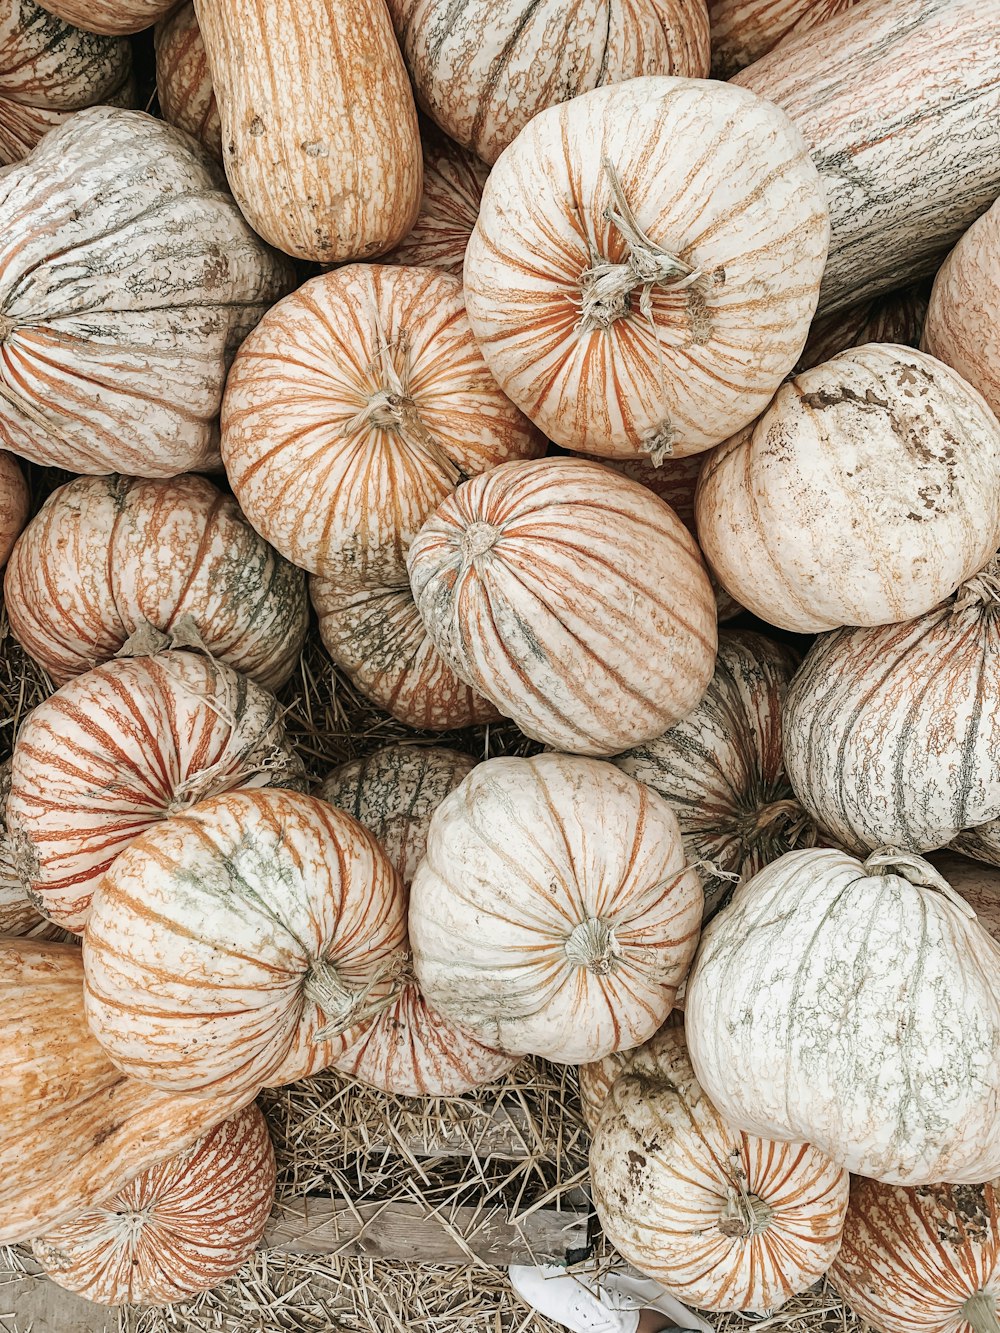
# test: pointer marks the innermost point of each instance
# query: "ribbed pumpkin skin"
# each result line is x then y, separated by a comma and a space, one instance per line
15, 504
107, 558
721, 768
483, 68
963, 318
911, 1258
121, 314
181, 1227
75, 1129
866, 493
378, 640
115, 17
745, 30
719, 180
319, 126
908, 93
122, 747
570, 597
354, 409
18, 914
553, 913
724, 1220
212, 935
184, 81
596, 1078
851, 1009
895, 317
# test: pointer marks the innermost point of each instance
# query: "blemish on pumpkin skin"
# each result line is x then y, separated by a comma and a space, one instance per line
256, 127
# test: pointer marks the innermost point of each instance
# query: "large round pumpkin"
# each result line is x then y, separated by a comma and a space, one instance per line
242, 943
122, 312
865, 494
181, 1227
122, 747
183, 79
642, 274
857, 1008
111, 564
724, 1220
553, 913
745, 30
357, 405
570, 597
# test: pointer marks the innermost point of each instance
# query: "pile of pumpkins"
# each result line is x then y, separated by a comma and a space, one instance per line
668, 313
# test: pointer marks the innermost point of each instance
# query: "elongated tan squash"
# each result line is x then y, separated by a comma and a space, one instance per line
184, 81
319, 127
117, 17
745, 30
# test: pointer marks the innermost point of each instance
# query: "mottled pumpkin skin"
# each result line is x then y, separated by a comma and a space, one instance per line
118, 17
15, 504
597, 1077
184, 81
110, 561
181, 1227
894, 317
745, 30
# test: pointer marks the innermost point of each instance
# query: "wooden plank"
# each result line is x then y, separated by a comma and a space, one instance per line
502, 1131
37, 1304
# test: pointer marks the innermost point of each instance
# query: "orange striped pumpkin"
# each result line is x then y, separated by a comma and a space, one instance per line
183, 79
357, 405
122, 747
119, 17
723, 1220
241, 944
15, 504
114, 564
642, 276
181, 1227
571, 598
18, 914
596, 1078
896, 317
116, 337
745, 30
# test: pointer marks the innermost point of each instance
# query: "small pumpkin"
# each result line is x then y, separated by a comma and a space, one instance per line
15, 504
723, 1219
894, 317
115, 565
183, 79
866, 493
358, 404
113, 17
181, 1227
745, 30
18, 914
553, 913
597, 1077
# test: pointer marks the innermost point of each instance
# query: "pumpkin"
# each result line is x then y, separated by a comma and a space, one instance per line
115, 17
15, 504
553, 913
18, 914
857, 1008
865, 494
890, 734
899, 101
745, 30
376, 637
979, 885
322, 148
48, 70
75, 1128
962, 317
183, 79
924, 1259
571, 598
722, 1219
359, 404
894, 317
241, 944
483, 69
181, 1227
409, 1049
642, 277
596, 1078
722, 772
122, 747
121, 314
113, 564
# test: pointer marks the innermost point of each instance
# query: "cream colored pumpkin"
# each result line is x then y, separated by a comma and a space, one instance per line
553, 913
597, 1077
642, 274
866, 493
723, 1220
358, 404
895, 317
18, 914
483, 68
570, 597
857, 1008
183, 79
15, 504
745, 30
119, 17
120, 315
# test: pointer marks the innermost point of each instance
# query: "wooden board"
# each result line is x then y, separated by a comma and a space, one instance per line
503, 1131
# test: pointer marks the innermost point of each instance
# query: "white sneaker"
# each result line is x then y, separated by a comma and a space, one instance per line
585, 1303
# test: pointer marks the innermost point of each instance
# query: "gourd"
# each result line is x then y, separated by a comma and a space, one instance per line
571, 598
597, 1077
722, 1219
322, 149
866, 493
122, 747
483, 70
553, 913
116, 337
899, 101
894, 317
453, 189
642, 277
116, 17
721, 768
18, 914
242, 943
854, 1007
358, 404
15, 504
745, 30
183, 79
115, 565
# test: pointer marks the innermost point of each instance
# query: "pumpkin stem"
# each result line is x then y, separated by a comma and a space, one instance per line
593, 945
745, 1215
909, 866
7, 327
345, 1009
982, 590
477, 539
799, 828
980, 1310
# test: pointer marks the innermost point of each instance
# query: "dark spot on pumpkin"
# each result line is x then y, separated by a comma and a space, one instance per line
256, 127
961, 1214
103, 1135
636, 1162
824, 398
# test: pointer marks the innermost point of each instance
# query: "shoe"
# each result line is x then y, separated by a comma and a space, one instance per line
651, 1296
585, 1303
